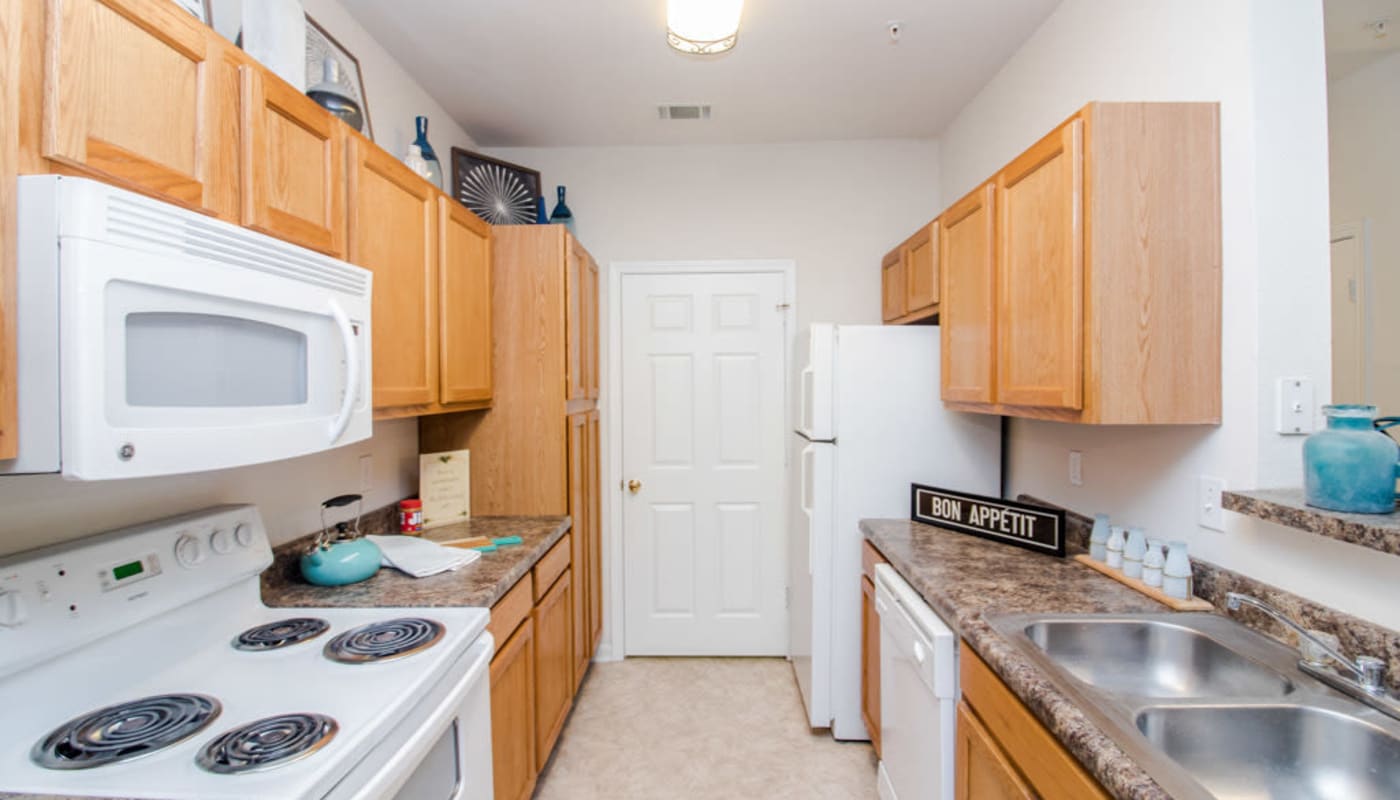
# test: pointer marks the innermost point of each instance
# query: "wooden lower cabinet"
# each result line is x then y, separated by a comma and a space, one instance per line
554, 665
1002, 749
513, 714
983, 771
870, 663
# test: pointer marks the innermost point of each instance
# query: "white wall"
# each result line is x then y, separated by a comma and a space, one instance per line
1263, 61
834, 207
1363, 123
393, 97
45, 509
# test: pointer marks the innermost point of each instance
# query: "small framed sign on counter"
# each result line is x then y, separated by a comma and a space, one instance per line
1021, 524
445, 487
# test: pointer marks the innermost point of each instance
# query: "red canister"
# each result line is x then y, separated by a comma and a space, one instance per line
411, 516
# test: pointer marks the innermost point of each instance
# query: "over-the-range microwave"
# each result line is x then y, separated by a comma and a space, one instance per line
154, 340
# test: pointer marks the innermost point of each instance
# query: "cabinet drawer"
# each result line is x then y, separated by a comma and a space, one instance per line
1036, 754
869, 557
512, 609
552, 565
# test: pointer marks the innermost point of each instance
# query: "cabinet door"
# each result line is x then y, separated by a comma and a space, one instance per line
513, 762
921, 265
892, 285
590, 318
582, 519
138, 94
576, 324
870, 663
968, 310
554, 665
394, 220
294, 186
1040, 274
464, 258
982, 771
595, 531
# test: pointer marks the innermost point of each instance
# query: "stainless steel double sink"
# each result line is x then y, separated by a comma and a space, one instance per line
1211, 709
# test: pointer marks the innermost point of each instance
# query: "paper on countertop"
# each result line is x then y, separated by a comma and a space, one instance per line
421, 557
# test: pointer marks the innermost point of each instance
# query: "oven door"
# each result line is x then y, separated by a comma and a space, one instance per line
173, 363
442, 750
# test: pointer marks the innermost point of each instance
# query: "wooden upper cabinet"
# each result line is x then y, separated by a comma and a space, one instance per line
576, 327
464, 260
921, 268
393, 217
968, 277
892, 285
590, 318
1107, 292
140, 94
294, 170
1040, 274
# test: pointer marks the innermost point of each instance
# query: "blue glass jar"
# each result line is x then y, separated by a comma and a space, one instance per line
429, 155
1350, 466
562, 215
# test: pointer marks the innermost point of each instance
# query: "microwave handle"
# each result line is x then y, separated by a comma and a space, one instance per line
352, 371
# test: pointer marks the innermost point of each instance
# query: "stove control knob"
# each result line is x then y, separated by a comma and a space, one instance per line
243, 534
13, 610
221, 541
188, 551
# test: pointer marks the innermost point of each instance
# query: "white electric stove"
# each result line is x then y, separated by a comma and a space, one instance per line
142, 663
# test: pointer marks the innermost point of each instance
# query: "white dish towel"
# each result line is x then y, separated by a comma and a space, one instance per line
421, 557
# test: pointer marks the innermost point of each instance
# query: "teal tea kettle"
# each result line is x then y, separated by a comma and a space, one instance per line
341, 556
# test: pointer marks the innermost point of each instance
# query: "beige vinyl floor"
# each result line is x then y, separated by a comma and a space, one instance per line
701, 728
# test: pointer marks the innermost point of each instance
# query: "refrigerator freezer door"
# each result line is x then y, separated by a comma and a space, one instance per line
816, 419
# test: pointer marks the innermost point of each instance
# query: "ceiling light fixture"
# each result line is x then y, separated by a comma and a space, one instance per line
703, 27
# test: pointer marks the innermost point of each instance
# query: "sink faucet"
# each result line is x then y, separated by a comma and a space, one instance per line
1368, 686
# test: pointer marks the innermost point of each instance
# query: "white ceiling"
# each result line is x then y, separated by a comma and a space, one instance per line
1351, 44
553, 72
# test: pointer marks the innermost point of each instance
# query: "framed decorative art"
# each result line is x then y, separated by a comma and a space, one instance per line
319, 45
498, 191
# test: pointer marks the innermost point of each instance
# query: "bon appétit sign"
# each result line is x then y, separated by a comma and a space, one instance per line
1020, 524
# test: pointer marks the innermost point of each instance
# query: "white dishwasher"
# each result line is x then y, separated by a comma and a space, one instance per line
918, 693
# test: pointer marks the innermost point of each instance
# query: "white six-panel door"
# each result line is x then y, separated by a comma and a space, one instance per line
703, 431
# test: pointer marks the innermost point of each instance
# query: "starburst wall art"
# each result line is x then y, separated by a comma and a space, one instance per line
497, 191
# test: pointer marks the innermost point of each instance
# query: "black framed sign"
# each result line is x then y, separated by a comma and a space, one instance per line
1007, 521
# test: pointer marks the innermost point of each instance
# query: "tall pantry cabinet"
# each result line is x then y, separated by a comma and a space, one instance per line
536, 451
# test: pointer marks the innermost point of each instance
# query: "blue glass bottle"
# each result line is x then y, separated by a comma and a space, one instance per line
541, 215
562, 215
1350, 466
434, 166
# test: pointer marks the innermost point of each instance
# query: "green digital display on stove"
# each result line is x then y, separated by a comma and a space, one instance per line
127, 570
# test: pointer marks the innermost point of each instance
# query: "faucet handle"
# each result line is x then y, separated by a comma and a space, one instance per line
1372, 677
1312, 650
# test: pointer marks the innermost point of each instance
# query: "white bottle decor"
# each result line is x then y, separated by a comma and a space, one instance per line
1176, 573
1134, 552
415, 161
1098, 539
1152, 564
1114, 548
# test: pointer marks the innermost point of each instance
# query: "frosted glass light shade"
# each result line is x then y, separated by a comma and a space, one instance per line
703, 27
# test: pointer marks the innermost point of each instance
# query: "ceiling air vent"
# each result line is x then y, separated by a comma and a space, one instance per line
683, 112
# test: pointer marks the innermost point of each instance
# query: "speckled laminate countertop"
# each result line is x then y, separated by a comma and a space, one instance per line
962, 578
480, 583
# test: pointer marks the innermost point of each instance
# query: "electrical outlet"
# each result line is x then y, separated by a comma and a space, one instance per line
366, 473
1076, 468
1210, 511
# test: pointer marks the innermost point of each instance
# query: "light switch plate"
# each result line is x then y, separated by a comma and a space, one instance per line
1076, 468
1297, 407
366, 473
1210, 508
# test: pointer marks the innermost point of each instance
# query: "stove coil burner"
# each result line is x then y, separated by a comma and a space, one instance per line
267, 743
381, 641
125, 731
282, 633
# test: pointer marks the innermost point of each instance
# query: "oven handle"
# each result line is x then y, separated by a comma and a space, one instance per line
352, 371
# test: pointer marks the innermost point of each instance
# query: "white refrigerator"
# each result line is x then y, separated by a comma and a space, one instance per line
869, 423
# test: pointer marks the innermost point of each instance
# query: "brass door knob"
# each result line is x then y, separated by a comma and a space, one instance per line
634, 486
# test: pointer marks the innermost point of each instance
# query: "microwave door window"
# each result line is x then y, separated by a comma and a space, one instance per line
187, 360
